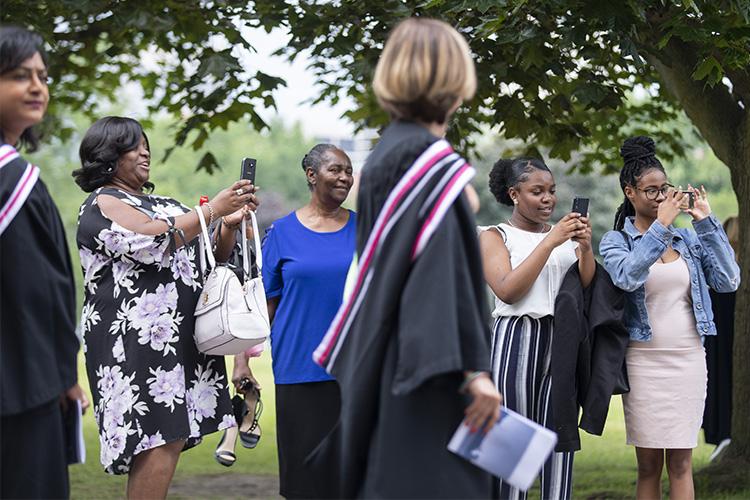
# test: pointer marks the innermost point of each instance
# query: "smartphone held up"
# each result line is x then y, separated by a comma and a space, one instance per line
248, 169
688, 201
581, 206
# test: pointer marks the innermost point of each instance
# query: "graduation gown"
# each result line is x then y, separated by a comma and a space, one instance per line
38, 343
414, 322
717, 415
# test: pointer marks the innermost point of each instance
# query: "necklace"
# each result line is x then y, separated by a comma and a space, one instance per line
541, 230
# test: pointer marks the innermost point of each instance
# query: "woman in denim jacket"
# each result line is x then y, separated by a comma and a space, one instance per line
666, 272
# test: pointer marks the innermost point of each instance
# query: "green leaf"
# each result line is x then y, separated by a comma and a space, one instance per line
208, 163
709, 69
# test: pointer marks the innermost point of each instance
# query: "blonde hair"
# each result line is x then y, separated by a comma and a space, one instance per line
424, 72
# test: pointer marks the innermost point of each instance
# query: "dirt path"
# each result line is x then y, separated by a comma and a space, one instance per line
225, 486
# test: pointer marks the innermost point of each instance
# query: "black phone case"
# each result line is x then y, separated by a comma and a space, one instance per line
581, 206
248, 169
691, 198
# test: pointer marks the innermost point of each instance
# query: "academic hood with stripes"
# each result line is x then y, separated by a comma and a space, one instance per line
417, 313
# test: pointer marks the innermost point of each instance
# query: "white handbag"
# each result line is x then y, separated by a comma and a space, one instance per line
231, 315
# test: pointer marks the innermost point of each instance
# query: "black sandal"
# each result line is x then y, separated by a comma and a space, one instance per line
249, 430
224, 453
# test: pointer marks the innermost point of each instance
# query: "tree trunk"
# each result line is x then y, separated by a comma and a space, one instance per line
740, 446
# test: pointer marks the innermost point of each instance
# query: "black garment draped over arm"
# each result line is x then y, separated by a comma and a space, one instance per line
588, 352
428, 313
38, 343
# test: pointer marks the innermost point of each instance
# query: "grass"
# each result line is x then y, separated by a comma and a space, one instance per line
605, 468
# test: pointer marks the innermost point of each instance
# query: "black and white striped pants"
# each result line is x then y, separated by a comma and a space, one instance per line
521, 350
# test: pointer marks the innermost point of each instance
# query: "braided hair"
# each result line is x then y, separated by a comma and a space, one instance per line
314, 159
509, 173
638, 156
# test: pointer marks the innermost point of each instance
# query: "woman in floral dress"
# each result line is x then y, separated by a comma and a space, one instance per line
154, 393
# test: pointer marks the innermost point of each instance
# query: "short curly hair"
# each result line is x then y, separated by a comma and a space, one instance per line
104, 143
314, 159
508, 173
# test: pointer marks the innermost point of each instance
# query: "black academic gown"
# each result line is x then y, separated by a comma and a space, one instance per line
588, 354
38, 343
420, 325
717, 415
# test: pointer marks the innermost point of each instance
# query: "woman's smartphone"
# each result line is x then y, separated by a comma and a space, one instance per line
581, 206
248, 169
688, 201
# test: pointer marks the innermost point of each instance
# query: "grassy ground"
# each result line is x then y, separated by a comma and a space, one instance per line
605, 468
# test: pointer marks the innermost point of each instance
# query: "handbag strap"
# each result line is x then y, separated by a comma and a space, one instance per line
256, 238
205, 247
205, 244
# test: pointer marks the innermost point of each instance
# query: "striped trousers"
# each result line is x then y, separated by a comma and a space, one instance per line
521, 351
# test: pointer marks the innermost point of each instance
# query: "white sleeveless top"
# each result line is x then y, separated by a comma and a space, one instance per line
539, 301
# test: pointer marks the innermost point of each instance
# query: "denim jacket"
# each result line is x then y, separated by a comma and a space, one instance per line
628, 255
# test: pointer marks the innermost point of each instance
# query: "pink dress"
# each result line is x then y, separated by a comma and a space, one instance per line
667, 375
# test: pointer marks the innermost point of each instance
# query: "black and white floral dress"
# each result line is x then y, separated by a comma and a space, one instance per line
149, 383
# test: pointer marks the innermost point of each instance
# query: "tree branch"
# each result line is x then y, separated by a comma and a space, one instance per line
713, 110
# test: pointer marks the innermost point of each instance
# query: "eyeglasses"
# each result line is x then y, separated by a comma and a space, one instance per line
653, 193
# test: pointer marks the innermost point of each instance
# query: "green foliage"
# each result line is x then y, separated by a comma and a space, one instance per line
186, 56
556, 74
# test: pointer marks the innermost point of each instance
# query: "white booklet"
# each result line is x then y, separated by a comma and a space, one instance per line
514, 450
73, 421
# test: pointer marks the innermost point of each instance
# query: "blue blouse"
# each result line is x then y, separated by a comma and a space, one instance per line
307, 270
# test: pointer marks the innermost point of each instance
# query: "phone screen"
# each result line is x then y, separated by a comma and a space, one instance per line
248, 169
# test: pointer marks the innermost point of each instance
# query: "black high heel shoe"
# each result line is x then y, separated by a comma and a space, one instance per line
249, 430
224, 453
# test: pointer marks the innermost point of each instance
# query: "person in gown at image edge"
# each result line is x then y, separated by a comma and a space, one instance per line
154, 393
38, 343
409, 346
717, 415
525, 262
306, 256
666, 273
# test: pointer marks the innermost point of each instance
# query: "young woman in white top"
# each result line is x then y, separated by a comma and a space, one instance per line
525, 260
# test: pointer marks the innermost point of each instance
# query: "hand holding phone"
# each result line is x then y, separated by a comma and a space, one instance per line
248, 169
581, 206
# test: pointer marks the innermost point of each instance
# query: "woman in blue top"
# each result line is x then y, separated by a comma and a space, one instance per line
306, 256
666, 272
